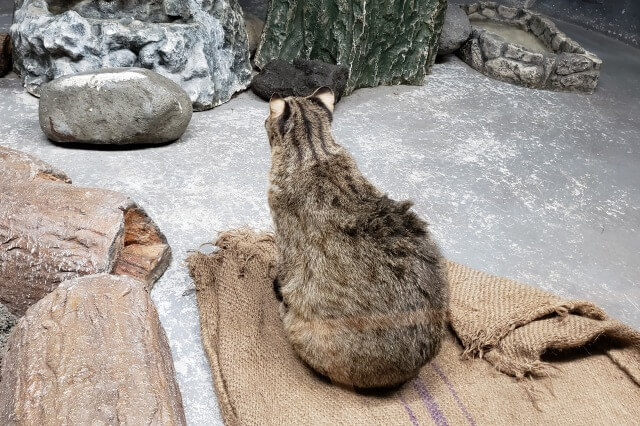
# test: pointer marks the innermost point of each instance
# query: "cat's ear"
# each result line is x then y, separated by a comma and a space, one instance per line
326, 96
276, 105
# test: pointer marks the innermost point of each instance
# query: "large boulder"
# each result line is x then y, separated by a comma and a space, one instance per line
300, 79
92, 352
201, 45
6, 62
380, 42
52, 231
114, 106
455, 31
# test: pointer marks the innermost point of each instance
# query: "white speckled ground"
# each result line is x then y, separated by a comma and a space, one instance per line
538, 186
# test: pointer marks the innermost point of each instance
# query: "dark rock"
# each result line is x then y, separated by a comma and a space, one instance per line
455, 31
381, 42
201, 45
587, 80
6, 63
114, 106
470, 53
300, 79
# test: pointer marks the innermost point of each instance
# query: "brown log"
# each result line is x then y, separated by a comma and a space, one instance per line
17, 165
91, 352
51, 231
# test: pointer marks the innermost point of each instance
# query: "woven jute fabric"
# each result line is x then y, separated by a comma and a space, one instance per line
498, 327
511, 325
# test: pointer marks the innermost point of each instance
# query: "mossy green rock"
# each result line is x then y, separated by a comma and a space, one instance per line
380, 41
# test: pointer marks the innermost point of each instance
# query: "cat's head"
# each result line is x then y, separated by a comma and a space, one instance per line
291, 116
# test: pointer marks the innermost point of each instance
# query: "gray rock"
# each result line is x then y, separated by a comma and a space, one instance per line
114, 106
556, 43
518, 53
536, 25
455, 31
569, 64
489, 13
507, 12
515, 72
477, 17
490, 44
553, 61
202, 46
300, 79
7, 321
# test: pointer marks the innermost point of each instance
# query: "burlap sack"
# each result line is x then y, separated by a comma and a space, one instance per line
259, 379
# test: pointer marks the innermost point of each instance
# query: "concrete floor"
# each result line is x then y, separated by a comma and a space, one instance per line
538, 186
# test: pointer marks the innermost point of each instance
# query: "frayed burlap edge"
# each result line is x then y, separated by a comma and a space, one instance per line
488, 338
203, 269
512, 358
493, 340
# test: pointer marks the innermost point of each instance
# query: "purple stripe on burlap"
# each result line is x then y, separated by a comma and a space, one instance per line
445, 379
432, 406
412, 417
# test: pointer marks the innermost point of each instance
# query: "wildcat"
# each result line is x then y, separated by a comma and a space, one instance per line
363, 288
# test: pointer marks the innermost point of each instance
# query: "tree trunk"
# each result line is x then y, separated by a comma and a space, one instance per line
382, 42
91, 352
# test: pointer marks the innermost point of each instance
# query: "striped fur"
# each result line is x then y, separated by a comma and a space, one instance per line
364, 294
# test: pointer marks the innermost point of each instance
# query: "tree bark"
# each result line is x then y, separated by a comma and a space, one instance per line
382, 42
91, 352
51, 231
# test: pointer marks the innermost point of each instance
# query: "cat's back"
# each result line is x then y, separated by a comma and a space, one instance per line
371, 308
378, 257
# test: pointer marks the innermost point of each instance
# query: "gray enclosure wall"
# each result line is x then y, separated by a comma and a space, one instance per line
619, 19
